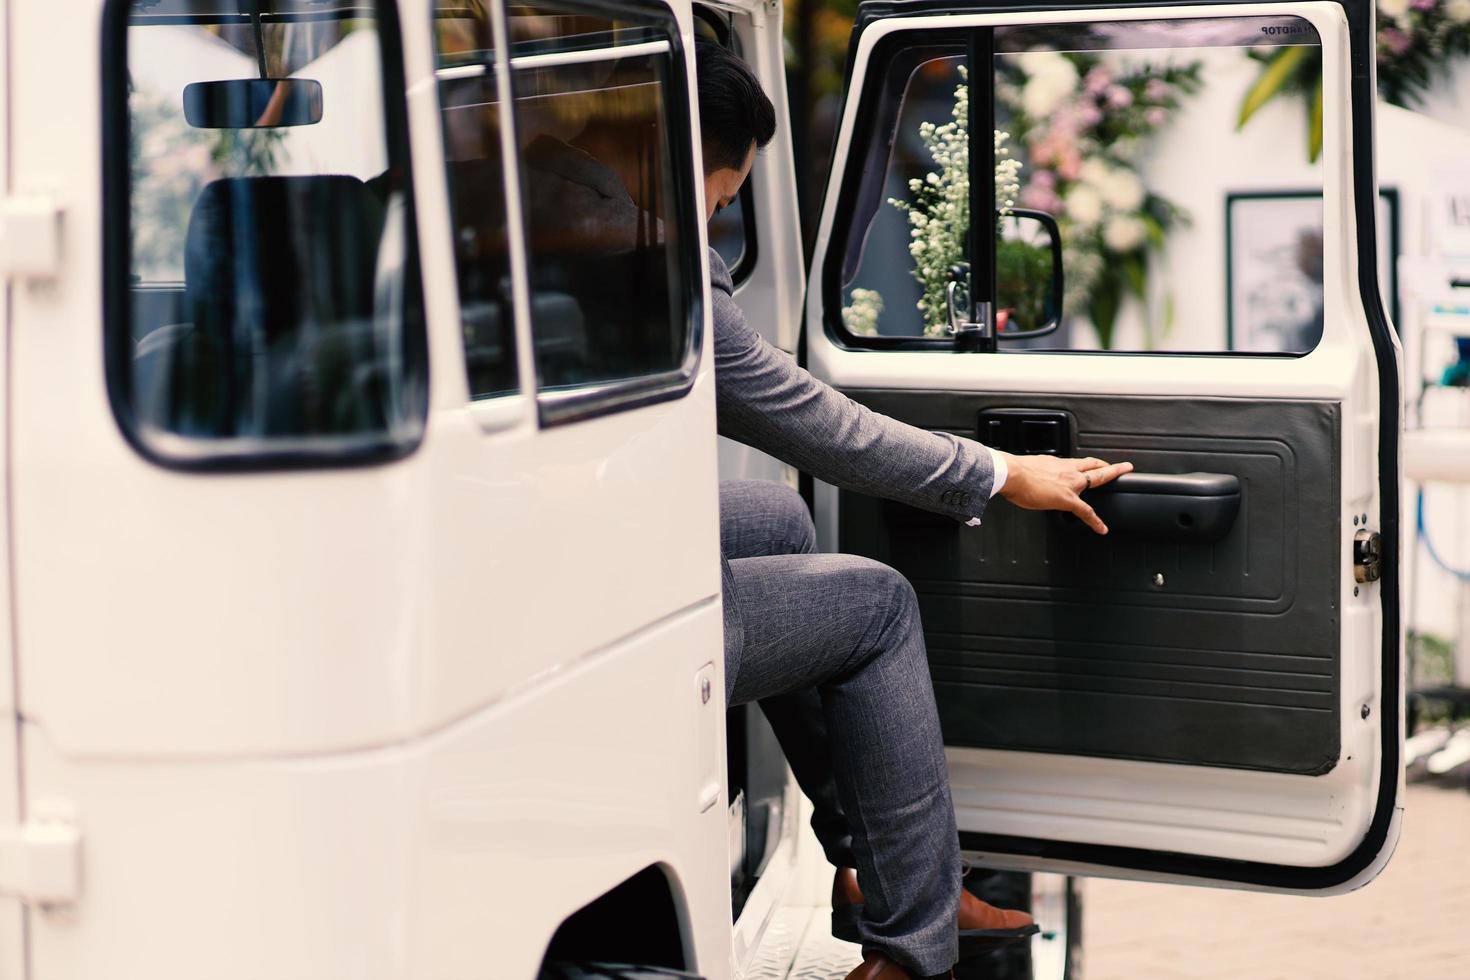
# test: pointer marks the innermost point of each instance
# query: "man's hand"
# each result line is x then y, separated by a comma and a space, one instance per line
1050, 483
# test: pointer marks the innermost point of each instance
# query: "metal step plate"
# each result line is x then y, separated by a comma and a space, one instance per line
798, 945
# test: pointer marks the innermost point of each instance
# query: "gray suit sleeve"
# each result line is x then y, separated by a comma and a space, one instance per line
770, 403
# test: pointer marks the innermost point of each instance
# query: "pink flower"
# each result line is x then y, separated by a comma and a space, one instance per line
1053, 145
1067, 120
1119, 97
1424, 4
1097, 81
1089, 116
1041, 198
1156, 117
1043, 151
1395, 40
1069, 164
1156, 90
1044, 179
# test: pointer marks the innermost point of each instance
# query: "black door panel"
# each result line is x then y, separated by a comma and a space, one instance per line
1045, 637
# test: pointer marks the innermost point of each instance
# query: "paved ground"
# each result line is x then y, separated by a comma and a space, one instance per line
1412, 922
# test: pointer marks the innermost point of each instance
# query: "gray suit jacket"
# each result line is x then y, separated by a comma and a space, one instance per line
770, 403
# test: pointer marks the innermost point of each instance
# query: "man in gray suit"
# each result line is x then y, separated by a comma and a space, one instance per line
831, 645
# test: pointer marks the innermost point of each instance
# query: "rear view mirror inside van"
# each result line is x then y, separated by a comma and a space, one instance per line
253, 103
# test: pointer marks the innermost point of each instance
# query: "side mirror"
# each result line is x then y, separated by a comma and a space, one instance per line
253, 103
1028, 275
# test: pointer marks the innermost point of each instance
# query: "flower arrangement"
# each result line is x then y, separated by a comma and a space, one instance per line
1417, 40
1084, 124
939, 216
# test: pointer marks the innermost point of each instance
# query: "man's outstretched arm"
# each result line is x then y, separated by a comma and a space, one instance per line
767, 401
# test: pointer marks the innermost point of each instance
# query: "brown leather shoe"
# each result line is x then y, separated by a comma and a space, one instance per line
876, 966
982, 926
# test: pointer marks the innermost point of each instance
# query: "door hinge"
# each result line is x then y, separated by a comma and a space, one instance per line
1367, 556
30, 237
40, 862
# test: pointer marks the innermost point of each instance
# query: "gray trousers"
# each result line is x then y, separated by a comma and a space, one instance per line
832, 649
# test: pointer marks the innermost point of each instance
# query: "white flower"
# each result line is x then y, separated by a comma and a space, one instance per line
1084, 205
861, 318
1121, 190
1393, 8
1458, 10
1051, 78
1093, 171
1123, 233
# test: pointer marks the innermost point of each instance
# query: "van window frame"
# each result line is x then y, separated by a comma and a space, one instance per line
970, 43
564, 406
182, 452
729, 39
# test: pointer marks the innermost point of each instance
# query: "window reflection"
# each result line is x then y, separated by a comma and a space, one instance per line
272, 286
603, 215
1131, 135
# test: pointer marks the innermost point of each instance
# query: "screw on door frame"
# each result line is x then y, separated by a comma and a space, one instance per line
1366, 712
704, 690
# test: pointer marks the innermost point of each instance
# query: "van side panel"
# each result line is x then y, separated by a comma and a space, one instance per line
454, 856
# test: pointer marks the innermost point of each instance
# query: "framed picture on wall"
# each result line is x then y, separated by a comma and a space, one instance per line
1273, 268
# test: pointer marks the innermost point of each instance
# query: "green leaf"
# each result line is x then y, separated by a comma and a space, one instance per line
1135, 270
1154, 229
1314, 122
1271, 82
1103, 310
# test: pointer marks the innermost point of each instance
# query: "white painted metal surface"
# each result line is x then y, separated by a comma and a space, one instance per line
1288, 820
40, 862
392, 721
1437, 455
12, 916
30, 237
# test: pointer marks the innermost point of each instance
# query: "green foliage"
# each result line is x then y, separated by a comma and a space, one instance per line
1283, 70
1431, 660
246, 152
1417, 42
1022, 282
1297, 71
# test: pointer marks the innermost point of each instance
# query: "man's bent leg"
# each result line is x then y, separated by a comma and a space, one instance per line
849, 627
759, 519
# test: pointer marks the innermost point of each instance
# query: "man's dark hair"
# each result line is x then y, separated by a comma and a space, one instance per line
734, 111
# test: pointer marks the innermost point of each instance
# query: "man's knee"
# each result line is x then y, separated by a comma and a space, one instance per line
886, 591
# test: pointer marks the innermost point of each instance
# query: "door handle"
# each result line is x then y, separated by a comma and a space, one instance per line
1185, 507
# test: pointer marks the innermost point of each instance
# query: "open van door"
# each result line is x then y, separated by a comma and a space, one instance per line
1212, 691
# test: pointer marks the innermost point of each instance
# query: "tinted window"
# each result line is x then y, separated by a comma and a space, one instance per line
1131, 136
471, 117
606, 174
265, 287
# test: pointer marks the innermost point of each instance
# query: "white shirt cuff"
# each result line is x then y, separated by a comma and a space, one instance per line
1001, 471
998, 459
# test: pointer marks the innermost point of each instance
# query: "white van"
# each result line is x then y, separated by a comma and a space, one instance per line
362, 589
